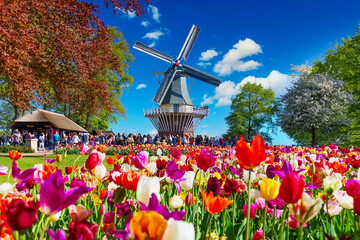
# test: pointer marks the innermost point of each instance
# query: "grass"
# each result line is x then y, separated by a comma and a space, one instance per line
29, 162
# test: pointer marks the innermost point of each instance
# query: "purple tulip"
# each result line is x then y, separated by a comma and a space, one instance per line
214, 186
140, 160
48, 160
77, 183
59, 235
54, 198
286, 168
154, 205
22, 177
175, 174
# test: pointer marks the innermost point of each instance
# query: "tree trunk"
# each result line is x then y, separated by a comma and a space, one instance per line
313, 136
87, 121
16, 112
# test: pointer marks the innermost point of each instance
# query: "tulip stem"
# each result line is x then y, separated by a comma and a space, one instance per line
301, 231
76, 159
327, 215
248, 209
234, 210
264, 221
38, 227
44, 228
208, 231
282, 222
16, 235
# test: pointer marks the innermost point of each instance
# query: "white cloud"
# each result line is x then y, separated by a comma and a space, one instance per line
153, 132
205, 126
154, 35
152, 44
145, 23
203, 64
140, 86
232, 59
228, 89
276, 80
207, 55
155, 13
130, 14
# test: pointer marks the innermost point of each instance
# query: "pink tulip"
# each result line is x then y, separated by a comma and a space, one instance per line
253, 209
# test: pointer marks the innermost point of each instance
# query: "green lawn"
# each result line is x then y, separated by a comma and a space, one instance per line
29, 162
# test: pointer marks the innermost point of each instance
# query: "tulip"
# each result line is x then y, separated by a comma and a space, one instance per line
129, 180
110, 160
5, 187
293, 224
292, 188
250, 157
79, 213
15, 155
333, 208
214, 204
92, 161
119, 195
306, 208
269, 189
189, 200
84, 149
232, 186
213, 185
260, 203
253, 209
331, 184
100, 171
151, 167
188, 184
68, 170
82, 230
101, 148
148, 225
175, 202
20, 214
59, 235
179, 230
344, 199
24, 176
353, 190
258, 235
55, 216
140, 160
54, 198
3, 170
58, 158
205, 160
145, 187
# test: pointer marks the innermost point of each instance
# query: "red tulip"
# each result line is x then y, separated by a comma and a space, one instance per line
82, 230
250, 157
292, 188
20, 214
205, 160
92, 161
68, 170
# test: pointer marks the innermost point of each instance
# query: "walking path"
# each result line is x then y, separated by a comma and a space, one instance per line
38, 153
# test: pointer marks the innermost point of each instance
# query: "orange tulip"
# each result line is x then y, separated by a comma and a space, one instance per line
15, 155
148, 225
250, 157
101, 148
128, 180
74, 168
117, 156
48, 170
214, 204
58, 158
110, 160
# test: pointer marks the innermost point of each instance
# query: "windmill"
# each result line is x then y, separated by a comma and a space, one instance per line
176, 114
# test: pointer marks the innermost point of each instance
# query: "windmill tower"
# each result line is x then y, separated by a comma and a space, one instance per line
176, 114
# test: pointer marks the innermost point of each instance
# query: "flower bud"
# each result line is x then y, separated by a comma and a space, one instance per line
189, 200
58, 158
68, 170
118, 195
102, 209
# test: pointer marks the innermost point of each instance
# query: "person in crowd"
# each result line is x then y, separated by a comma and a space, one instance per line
5, 139
76, 139
16, 138
56, 139
229, 141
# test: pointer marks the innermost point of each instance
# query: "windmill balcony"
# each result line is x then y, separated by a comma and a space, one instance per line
200, 111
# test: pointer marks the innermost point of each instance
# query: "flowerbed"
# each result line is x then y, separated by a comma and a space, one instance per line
248, 192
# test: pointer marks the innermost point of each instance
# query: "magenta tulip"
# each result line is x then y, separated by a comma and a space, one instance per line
253, 209
292, 188
353, 190
205, 160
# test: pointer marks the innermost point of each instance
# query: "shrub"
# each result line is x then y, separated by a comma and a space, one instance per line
21, 149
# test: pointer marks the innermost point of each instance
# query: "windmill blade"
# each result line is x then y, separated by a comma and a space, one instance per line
146, 49
164, 86
189, 43
192, 72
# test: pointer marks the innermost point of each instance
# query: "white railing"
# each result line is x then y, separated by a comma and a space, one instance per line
177, 109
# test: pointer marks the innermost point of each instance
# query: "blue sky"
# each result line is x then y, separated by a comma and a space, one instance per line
239, 41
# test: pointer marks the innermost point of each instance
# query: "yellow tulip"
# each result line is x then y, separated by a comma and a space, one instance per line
148, 225
269, 189
58, 157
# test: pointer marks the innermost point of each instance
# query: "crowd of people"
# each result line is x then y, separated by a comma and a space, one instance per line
52, 139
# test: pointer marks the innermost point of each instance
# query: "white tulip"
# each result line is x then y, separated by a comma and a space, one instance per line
100, 171
146, 186
151, 167
344, 199
179, 230
255, 194
159, 152
126, 167
175, 202
188, 184
5, 187
331, 184
246, 176
112, 186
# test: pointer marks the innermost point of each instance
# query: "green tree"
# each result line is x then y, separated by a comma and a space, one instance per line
313, 110
252, 112
342, 61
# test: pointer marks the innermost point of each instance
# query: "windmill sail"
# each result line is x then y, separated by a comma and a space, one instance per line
192, 72
189, 43
146, 49
164, 86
